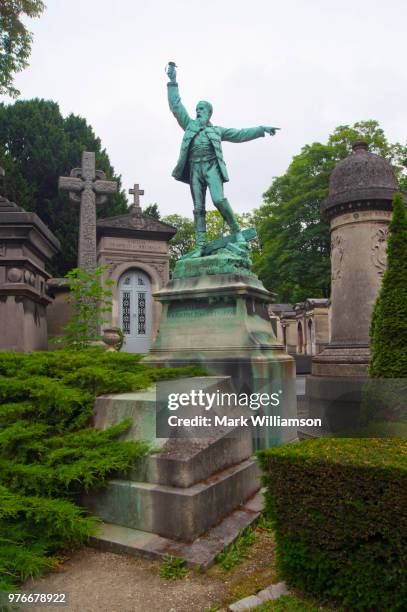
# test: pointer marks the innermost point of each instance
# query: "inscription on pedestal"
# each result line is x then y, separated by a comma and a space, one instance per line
135, 244
191, 309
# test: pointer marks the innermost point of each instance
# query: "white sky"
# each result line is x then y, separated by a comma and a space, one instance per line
303, 65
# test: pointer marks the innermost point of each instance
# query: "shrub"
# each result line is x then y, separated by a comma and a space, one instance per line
339, 508
49, 454
91, 300
389, 320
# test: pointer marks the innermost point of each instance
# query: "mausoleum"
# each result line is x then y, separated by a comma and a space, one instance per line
135, 249
26, 246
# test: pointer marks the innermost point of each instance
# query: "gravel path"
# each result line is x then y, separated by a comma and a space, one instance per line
97, 581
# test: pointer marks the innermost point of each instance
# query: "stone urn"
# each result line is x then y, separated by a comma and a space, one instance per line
112, 338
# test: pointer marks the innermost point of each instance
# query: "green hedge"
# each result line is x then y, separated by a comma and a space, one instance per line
49, 454
339, 508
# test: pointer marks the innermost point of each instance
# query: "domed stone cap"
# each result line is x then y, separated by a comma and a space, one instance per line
362, 180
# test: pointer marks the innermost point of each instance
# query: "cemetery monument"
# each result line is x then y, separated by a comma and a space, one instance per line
87, 186
358, 209
26, 246
215, 309
192, 498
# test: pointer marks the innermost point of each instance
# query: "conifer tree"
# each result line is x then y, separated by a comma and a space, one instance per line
389, 320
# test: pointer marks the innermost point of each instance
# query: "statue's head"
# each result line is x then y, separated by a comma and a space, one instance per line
204, 111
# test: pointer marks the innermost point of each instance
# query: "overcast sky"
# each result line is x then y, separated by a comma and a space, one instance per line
306, 66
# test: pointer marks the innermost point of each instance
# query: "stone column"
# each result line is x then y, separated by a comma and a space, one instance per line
359, 209
358, 259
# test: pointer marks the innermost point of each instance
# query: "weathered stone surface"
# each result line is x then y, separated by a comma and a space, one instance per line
130, 242
221, 322
26, 246
200, 554
245, 604
248, 603
198, 481
175, 512
361, 181
181, 462
358, 257
87, 186
359, 210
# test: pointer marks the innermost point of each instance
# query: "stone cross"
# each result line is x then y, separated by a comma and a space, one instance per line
87, 186
136, 192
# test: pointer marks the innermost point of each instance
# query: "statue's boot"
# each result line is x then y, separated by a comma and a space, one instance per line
200, 233
227, 213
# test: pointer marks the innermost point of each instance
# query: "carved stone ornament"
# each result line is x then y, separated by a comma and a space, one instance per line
379, 246
14, 275
160, 267
337, 252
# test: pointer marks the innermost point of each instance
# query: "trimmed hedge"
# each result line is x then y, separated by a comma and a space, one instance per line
339, 508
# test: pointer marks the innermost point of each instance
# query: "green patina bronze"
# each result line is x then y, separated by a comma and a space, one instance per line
226, 255
202, 166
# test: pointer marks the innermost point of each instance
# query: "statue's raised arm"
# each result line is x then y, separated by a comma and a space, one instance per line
174, 100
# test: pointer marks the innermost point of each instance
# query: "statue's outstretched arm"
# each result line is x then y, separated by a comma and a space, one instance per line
245, 134
174, 100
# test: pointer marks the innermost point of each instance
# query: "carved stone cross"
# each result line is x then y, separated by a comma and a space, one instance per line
87, 186
136, 192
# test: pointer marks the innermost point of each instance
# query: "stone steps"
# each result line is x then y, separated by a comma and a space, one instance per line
182, 513
199, 554
185, 462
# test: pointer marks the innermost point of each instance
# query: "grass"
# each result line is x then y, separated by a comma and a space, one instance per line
173, 568
238, 550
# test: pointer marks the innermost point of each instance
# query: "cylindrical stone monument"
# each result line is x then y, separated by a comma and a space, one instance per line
358, 208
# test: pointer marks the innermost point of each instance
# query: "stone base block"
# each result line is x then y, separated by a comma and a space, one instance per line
185, 462
199, 554
174, 512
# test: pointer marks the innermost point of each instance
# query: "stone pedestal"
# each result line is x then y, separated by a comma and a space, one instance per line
189, 499
26, 245
221, 323
359, 209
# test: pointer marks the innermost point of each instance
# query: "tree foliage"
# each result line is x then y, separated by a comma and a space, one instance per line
15, 40
389, 321
184, 239
152, 211
295, 261
37, 145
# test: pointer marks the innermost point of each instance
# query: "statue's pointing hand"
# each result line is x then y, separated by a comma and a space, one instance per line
171, 72
270, 130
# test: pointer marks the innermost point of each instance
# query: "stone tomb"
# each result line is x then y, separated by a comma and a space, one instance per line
26, 245
135, 248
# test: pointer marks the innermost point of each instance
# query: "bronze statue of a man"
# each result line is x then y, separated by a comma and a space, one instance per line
201, 162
